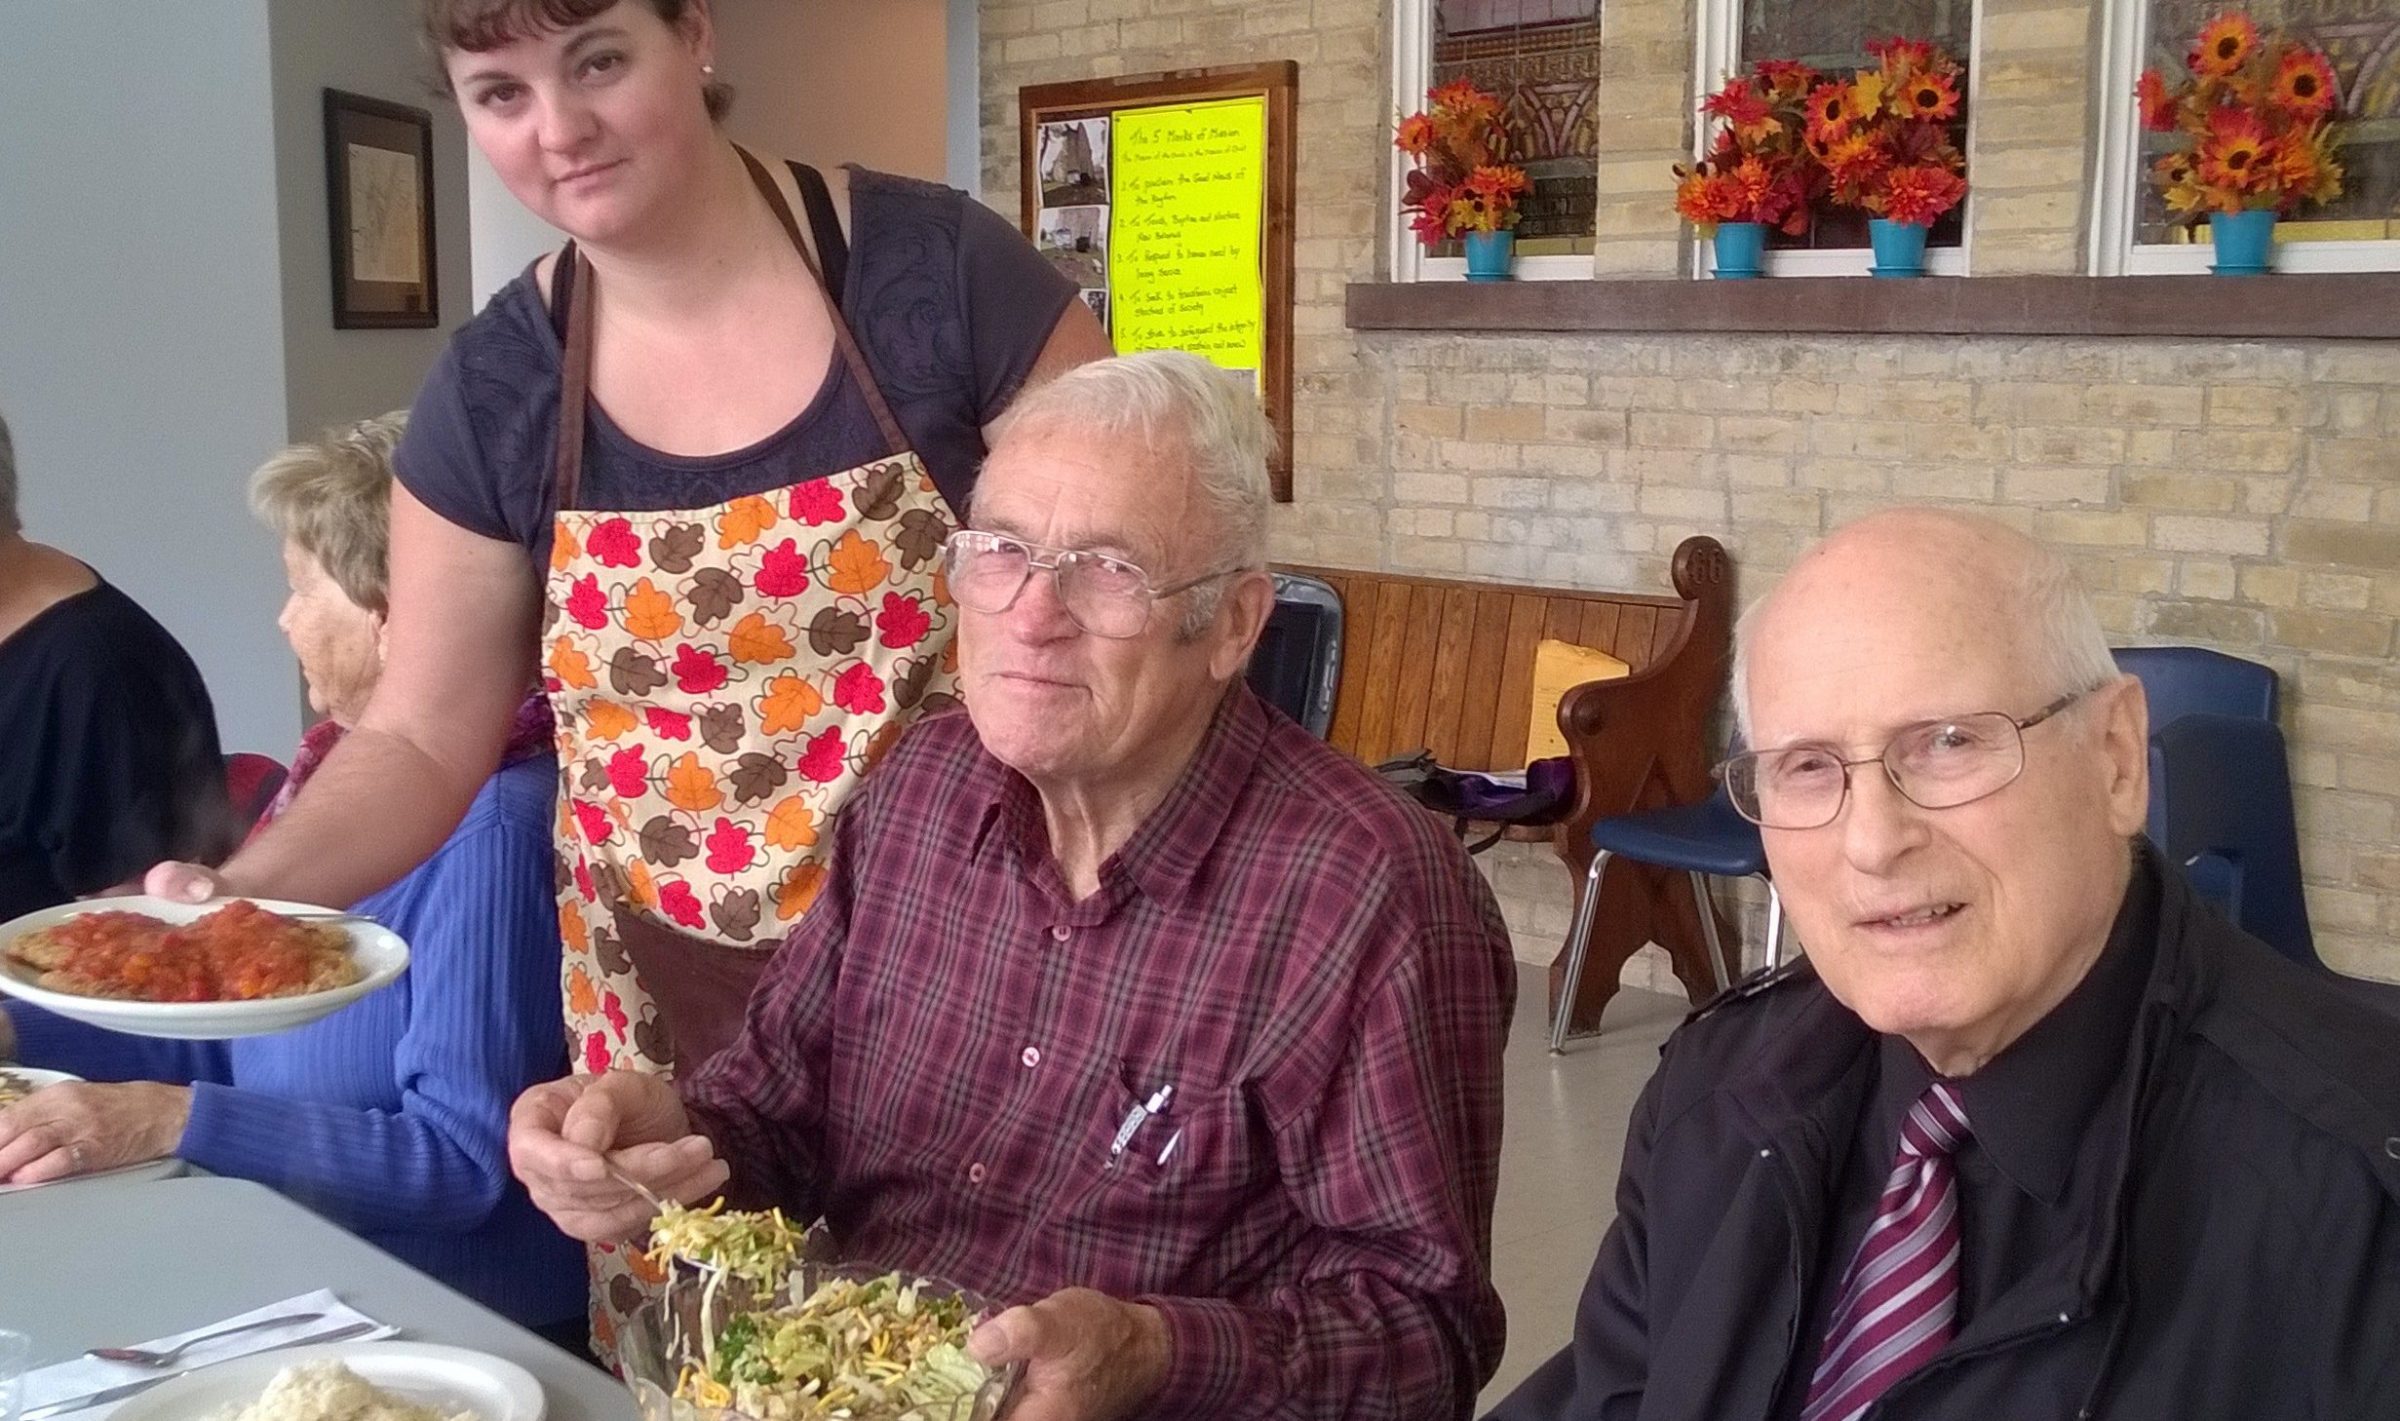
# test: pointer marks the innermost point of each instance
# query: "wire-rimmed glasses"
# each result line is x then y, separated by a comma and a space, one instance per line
1105, 595
1934, 764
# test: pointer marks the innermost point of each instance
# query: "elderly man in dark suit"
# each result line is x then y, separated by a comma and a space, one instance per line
2031, 1132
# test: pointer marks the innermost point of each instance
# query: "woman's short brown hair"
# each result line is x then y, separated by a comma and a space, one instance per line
473, 26
331, 497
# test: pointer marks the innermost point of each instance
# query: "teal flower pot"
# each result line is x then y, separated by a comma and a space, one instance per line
1741, 250
1490, 254
1899, 247
2244, 241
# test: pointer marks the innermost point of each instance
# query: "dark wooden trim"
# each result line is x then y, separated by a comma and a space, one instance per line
2340, 306
1578, 594
1278, 81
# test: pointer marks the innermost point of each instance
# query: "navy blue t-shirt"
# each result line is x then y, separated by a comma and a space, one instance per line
951, 305
110, 763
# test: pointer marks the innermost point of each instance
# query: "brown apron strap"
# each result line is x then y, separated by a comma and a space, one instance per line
576, 283
575, 374
894, 439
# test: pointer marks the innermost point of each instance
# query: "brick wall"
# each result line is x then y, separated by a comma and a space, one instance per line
2245, 496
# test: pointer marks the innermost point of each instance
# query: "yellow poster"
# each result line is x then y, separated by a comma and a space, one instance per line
1184, 243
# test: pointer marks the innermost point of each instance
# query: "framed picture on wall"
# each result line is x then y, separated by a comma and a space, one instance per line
379, 192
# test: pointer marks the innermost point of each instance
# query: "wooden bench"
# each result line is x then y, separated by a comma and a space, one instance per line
1447, 666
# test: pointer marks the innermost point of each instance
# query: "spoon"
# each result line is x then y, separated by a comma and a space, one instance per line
165, 1357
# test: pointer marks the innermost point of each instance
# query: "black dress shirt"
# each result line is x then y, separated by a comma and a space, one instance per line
2031, 1177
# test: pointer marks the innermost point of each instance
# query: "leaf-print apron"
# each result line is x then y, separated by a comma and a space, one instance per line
722, 678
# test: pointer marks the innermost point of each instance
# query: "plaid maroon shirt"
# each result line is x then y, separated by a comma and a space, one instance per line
939, 1058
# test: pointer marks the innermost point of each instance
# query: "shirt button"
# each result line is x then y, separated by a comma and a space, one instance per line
975, 1173
1061, 933
1032, 1057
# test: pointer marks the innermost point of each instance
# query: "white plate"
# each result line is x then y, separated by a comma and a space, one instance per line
449, 1379
378, 951
149, 1169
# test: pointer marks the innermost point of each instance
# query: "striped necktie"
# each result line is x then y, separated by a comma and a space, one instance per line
1899, 1301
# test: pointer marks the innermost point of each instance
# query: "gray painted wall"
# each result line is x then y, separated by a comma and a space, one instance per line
963, 134
507, 238
165, 306
362, 47
141, 322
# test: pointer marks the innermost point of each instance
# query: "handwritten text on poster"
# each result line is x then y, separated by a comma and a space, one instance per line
1183, 255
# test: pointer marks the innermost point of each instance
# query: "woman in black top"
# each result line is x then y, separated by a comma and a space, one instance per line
110, 761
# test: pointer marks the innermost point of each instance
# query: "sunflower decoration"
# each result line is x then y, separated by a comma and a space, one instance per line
1460, 181
1889, 136
1764, 162
2226, 43
2253, 122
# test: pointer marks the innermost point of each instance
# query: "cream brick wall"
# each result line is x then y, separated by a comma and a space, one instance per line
2242, 495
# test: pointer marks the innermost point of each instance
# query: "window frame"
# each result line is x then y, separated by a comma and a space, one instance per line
1412, 71
1716, 56
2118, 174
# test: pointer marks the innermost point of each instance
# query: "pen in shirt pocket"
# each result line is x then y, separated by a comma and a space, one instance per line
1133, 1122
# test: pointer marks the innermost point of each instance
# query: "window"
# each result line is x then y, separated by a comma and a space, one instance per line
1832, 35
1542, 59
2360, 232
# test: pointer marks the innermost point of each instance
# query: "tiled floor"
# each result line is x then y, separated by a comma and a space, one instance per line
1558, 1162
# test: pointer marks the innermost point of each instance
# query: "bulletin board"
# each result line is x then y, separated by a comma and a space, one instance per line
1167, 198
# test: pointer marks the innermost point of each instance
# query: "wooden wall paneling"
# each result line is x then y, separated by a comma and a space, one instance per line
1416, 669
1515, 701
1489, 646
1383, 675
1635, 629
1449, 691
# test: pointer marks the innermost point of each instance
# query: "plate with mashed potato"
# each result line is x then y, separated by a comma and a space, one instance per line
347, 1381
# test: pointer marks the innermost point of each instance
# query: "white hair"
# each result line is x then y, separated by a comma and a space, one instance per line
2062, 641
1181, 403
10, 522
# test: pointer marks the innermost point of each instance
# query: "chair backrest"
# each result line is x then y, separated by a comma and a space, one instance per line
250, 783
1298, 665
2181, 680
2221, 809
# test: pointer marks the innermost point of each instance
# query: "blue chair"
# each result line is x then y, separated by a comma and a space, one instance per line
1705, 840
2220, 793
2221, 807
2179, 680
1298, 664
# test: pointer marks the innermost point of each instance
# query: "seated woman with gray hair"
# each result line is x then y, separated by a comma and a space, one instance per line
390, 1116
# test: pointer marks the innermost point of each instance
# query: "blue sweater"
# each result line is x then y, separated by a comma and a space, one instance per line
390, 1116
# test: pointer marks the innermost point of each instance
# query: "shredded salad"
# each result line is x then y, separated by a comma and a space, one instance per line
874, 1349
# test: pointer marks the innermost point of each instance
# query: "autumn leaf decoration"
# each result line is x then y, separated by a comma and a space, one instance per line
855, 566
650, 614
690, 786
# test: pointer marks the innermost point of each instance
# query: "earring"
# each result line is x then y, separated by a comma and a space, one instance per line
709, 69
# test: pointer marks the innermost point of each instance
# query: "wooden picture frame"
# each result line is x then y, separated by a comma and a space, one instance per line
1278, 83
379, 205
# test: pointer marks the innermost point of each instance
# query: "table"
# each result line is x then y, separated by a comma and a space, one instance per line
86, 1265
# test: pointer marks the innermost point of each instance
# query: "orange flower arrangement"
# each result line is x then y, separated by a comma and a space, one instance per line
1888, 138
1759, 168
1459, 183
2255, 113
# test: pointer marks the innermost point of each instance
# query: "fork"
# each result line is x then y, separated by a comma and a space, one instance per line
144, 1357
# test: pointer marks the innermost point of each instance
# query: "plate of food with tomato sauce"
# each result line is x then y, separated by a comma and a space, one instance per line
195, 971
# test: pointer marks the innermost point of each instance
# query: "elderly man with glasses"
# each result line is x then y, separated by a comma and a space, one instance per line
1125, 1000
2032, 1132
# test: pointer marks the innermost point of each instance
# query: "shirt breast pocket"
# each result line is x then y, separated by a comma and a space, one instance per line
1196, 1159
